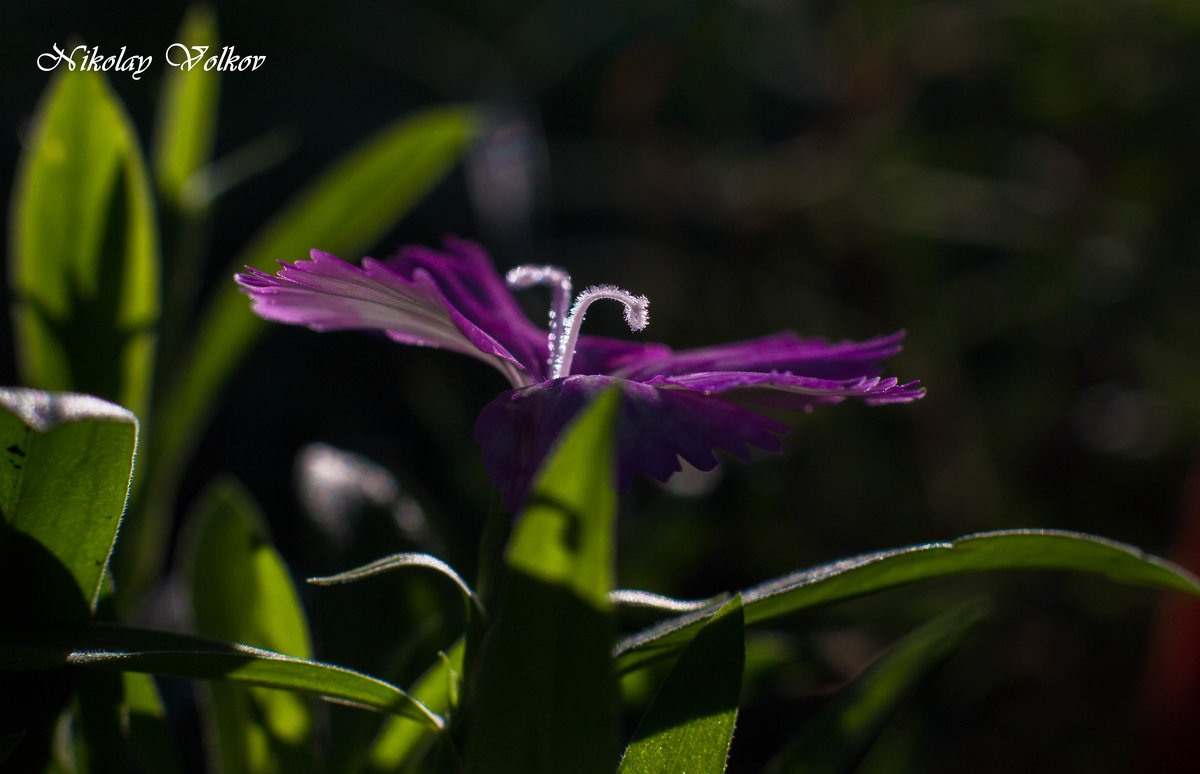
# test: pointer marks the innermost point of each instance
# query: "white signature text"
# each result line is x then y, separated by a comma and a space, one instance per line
177, 55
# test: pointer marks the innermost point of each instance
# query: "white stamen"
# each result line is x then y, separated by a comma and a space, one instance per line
564, 328
637, 314
522, 277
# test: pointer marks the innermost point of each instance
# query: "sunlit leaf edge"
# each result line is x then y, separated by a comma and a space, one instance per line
897, 567
705, 685
180, 655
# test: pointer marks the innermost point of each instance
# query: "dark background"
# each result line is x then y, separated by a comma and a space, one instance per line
1014, 183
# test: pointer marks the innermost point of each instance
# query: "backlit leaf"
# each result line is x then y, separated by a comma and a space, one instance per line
179, 655
848, 578
241, 592
689, 725
64, 480
85, 264
546, 699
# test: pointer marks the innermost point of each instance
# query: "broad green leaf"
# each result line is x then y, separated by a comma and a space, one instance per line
344, 211
401, 742
179, 655
85, 265
838, 736
187, 117
689, 725
241, 592
1013, 549
63, 484
546, 699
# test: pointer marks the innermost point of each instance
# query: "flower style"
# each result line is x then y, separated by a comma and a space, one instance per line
675, 404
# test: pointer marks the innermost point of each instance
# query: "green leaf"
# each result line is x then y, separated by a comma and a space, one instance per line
689, 725
401, 742
241, 592
837, 738
1013, 549
99, 741
114, 719
395, 561
180, 655
184, 178
85, 264
187, 118
63, 486
149, 732
344, 211
546, 698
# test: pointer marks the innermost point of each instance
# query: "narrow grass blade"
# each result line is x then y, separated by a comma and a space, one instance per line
848, 578
179, 655
187, 116
837, 738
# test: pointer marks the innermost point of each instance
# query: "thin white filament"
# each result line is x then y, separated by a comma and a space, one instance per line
564, 328
637, 315
522, 277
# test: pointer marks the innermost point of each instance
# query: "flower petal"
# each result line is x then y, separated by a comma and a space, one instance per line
791, 391
780, 352
468, 279
658, 427
326, 293
602, 355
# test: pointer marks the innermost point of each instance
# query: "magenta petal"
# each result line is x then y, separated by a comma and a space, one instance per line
780, 352
468, 279
658, 426
326, 293
601, 355
791, 391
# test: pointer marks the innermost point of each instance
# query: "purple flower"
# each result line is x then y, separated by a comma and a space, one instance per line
676, 404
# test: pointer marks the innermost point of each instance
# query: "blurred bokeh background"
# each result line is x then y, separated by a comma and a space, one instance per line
1015, 183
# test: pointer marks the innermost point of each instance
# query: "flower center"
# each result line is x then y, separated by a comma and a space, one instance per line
564, 326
